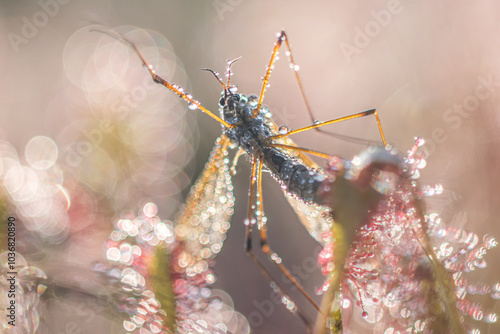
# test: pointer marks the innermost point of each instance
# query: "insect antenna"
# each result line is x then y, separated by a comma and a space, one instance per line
228, 68
216, 75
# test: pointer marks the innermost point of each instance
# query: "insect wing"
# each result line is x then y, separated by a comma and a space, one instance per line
203, 221
315, 218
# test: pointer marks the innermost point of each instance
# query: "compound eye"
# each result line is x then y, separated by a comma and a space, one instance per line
222, 102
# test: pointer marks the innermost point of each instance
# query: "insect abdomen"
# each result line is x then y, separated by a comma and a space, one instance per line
298, 179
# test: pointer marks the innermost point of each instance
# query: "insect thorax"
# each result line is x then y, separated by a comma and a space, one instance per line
252, 134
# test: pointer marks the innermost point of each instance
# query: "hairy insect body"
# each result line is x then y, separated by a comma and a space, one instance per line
252, 134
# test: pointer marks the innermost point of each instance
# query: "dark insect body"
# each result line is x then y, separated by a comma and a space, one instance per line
246, 123
253, 134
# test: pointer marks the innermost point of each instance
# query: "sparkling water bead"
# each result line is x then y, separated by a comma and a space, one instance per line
283, 130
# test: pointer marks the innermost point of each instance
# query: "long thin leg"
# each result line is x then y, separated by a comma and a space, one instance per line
193, 104
264, 245
283, 37
252, 212
332, 121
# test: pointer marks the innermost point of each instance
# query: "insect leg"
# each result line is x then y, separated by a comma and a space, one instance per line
193, 104
295, 68
264, 245
261, 224
265, 80
336, 120
253, 212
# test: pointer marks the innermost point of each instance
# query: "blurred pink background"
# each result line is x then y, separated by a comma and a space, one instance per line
431, 69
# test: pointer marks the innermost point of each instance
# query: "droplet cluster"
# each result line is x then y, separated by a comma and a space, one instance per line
35, 186
30, 284
390, 272
131, 249
191, 243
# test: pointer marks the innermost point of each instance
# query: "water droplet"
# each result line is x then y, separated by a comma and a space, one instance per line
419, 141
419, 325
346, 302
129, 326
364, 314
472, 243
492, 317
283, 130
421, 163
429, 191
32, 273
478, 315
253, 100
233, 88
192, 105
480, 264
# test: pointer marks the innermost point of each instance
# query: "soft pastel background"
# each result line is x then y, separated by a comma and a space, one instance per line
422, 61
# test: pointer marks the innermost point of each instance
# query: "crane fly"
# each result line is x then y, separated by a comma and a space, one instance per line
246, 123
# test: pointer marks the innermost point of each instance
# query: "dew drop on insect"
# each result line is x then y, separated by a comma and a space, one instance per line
283, 130
253, 100
295, 67
480, 264
192, 106
233, 88
129, 326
